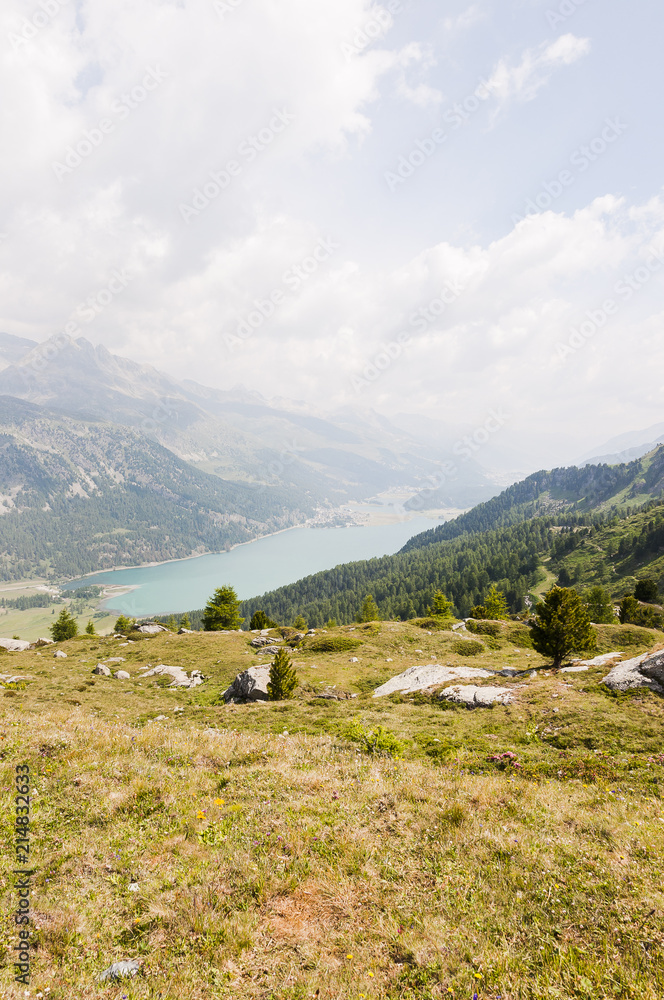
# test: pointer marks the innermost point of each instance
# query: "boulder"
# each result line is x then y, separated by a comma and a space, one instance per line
643, 671
185, 631
270, 650
477, 697
59, 654
263, 640
15, 645
581, 666
149, 628
421, 678
102, 670
121, 970
179, 676
122, 675
250, 685
41, 642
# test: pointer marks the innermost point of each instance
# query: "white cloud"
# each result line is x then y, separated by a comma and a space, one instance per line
523, 81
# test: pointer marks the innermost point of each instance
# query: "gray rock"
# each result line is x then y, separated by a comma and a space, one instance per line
598, 661
643, 671
185, 631
122, 675
121, 970
149, 628
16, 678
270, 650
179, 676
477, 697
250, 685
421, 678
42, 642
116, 659
60, 655
102, 670
263, 640
15, 645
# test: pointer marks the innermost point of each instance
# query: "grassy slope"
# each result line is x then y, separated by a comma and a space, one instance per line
322, 868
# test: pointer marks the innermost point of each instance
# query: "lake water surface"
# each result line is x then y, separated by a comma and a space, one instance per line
252, 569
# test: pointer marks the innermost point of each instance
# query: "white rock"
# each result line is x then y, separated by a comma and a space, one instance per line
150, 628
60, 655
102, 670
477, 697
642, 671
179, 676
421, 678
185, 631
116, 659
598, 661
122, 675
42, 642
353, 659
15, 645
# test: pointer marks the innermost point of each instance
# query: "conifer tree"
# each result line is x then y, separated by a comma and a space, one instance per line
184, 621
259, 621
283, 677
441, 607
124, 624
369, 611
90, 628
300, 623
494, 607
562, 626
600, 606
172, 623
221, 611
64, 627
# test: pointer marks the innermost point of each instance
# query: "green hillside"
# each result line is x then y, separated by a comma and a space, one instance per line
597, 525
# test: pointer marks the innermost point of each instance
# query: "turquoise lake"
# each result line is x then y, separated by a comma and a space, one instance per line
252, 569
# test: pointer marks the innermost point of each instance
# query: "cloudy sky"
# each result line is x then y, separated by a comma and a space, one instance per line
439, 209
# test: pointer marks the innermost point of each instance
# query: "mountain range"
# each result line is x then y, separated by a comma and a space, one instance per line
106, 462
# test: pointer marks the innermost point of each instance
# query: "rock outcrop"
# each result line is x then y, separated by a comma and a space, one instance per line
178, 675
646, 670
477, 697
41, 642
102, 670
149, 628
421, 678
581, 666
60, 654
250, 685
122, 675
15, 645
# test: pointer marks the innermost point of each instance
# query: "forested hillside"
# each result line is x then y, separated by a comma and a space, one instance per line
78, 497
610, 488
586, 533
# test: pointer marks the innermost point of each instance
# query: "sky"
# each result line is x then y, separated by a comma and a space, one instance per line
451, 213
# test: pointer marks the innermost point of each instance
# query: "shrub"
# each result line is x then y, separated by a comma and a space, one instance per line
467, 647
335, 644
486, 627
520, 636
375, 742
437, 624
